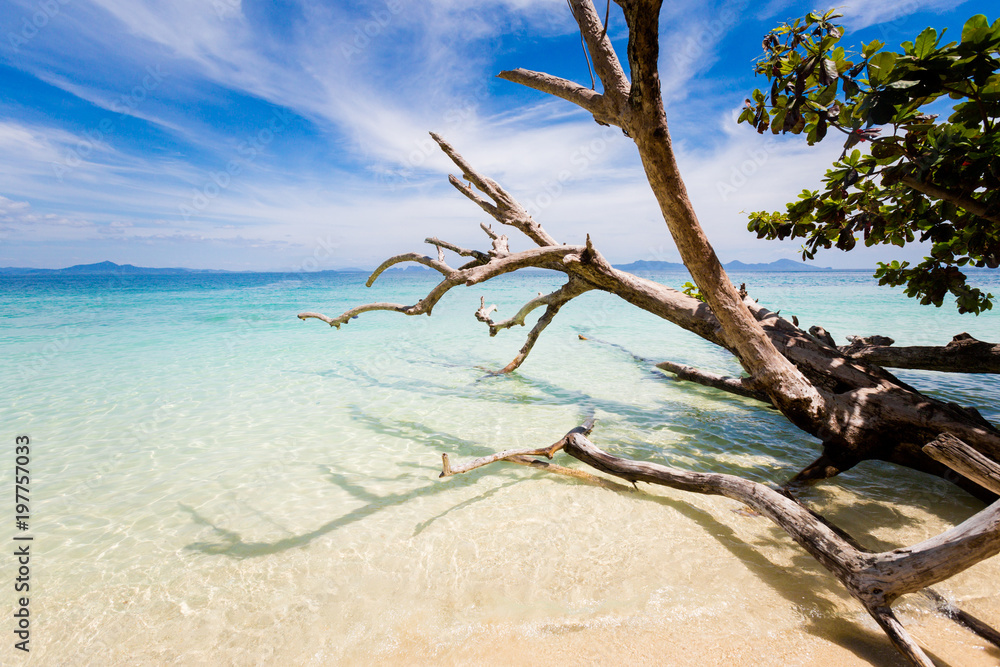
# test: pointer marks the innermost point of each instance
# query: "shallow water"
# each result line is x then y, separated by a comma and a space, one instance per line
216, 482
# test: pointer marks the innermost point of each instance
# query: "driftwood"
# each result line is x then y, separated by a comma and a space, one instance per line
964, 354
856, 408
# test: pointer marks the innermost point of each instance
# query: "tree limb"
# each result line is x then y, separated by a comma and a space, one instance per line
436, 264
737, 386
572, 289
966, 461
964, 354
505, 210
570, 91
447, 470
971, 205
471, 274
875, 579
459, 250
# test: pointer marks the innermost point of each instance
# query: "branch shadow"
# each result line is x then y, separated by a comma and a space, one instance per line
813, 585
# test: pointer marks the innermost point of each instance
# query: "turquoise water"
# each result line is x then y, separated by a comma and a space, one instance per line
217, 482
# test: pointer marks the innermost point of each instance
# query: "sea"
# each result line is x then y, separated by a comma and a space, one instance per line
214, 482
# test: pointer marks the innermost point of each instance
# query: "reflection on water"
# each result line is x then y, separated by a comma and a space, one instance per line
219, 483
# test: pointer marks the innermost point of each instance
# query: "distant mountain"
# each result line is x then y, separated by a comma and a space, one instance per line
785, 265
645, 265
103, 268
777, 265
110, 268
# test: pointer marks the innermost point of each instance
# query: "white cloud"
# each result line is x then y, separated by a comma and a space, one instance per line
863, 13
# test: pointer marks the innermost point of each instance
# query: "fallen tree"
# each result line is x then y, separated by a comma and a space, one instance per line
856, 408
964, 354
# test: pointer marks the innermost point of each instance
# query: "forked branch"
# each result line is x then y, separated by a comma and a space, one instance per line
505, 209
572, 289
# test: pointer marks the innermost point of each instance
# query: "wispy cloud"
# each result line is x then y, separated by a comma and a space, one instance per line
145, 125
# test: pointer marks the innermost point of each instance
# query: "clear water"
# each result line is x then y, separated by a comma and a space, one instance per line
217, 482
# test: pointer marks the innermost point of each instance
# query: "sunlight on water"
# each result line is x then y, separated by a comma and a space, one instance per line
216, 482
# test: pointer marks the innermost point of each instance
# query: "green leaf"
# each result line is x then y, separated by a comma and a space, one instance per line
925, 43
778, 121
880, 66
975, 29
871, 47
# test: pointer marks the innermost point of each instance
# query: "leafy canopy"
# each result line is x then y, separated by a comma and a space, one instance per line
922, 178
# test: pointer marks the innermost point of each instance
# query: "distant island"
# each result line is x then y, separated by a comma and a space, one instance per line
105, 268
782, 265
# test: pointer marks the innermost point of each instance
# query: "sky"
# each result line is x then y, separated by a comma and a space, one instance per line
292, 135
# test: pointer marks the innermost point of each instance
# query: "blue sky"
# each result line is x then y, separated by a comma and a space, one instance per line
292, 135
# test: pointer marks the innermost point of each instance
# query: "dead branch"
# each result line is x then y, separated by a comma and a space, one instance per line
875, 579
483, 314
469, 275
436, 264
737, 386
964, 354
459, 250
536, 331
966, 461
505, 209
570, 91
572, 289
548, 452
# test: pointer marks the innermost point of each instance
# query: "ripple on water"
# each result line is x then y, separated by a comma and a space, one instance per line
212, 469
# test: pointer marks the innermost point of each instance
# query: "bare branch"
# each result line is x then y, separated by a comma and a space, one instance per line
739, 386
483, 314
553, 301
570, 91
489, 231
507, 210
467, 190
572, 289
464, 252
964, 460
471, 274
435, 264
354, 312
964, 354
447, 470
875, 579
898, 635
548, 452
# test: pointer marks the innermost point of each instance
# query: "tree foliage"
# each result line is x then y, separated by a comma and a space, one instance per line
923, 177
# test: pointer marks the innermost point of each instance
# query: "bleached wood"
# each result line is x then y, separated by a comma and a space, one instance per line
966, 461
